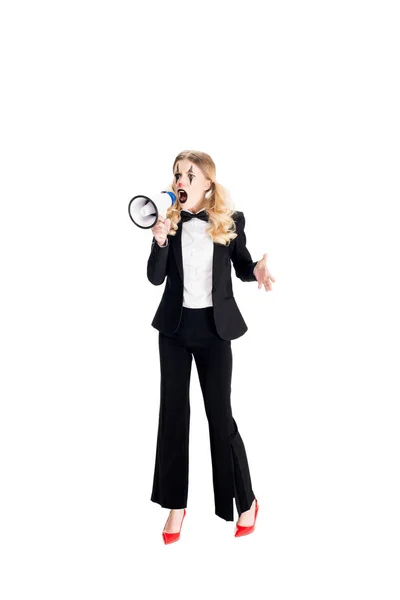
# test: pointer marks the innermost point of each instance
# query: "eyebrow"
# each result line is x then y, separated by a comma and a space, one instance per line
190, 170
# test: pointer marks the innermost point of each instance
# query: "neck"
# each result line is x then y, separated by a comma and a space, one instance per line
196, 208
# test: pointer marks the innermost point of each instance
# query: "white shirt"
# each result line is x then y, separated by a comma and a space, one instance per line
197, 260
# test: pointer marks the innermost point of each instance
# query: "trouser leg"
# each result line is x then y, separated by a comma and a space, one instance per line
171, 470
231, 474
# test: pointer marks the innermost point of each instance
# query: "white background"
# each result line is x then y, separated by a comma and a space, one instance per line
298, 105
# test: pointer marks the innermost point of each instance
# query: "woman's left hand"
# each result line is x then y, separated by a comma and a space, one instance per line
262, 274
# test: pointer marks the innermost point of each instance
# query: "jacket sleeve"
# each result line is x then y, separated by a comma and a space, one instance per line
157, 263
240, 256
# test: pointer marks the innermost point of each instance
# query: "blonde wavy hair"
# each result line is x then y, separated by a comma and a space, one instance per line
217, 203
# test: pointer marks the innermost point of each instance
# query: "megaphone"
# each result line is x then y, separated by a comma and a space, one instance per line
145, 211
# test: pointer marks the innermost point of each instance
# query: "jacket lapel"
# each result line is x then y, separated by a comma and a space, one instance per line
176, 241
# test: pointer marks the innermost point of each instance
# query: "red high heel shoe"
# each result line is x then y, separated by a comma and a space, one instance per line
245, 530
173, 537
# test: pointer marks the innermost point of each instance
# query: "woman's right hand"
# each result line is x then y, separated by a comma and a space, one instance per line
161, 230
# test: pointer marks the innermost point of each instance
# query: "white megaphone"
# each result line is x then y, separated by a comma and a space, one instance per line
145, 211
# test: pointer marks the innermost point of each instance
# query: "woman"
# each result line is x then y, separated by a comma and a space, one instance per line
198, 317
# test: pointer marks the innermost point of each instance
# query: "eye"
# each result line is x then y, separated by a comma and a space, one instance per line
190, 177
177, 175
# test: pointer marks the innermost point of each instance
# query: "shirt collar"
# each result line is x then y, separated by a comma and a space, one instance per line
187, 210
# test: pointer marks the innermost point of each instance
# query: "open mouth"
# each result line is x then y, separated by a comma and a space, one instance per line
182, 195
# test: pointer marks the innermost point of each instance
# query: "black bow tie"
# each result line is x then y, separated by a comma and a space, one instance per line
186, 216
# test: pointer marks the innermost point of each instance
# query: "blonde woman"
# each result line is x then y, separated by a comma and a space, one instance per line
198, 317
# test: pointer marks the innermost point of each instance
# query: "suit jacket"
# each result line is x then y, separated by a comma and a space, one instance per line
167, 263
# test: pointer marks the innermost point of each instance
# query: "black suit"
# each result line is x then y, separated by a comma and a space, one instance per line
204, 334
167, 262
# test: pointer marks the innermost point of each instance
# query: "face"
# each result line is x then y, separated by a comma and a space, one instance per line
190, 179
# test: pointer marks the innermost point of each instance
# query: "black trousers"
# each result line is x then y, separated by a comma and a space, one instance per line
197, 336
